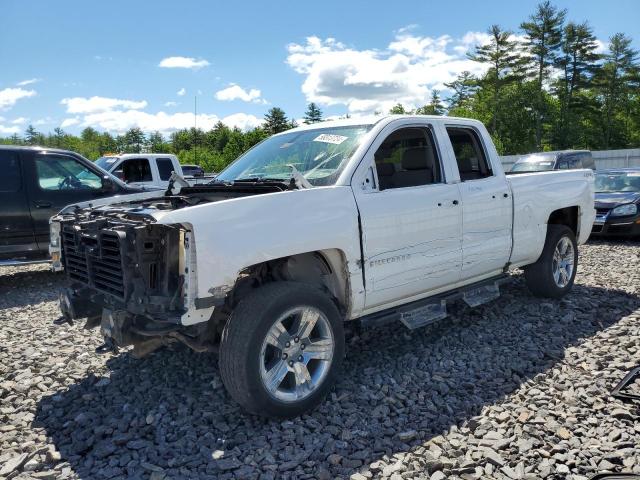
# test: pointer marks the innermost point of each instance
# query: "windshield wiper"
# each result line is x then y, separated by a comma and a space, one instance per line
260, 179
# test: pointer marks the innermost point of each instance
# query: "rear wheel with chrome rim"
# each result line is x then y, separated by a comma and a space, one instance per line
552, 276
281, 349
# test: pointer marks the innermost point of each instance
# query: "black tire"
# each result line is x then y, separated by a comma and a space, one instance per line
539, 275
245, 332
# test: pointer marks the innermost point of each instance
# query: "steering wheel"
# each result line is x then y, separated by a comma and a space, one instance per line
68, 183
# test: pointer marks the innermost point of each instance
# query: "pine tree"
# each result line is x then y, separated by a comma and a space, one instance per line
58, 137
107, 144
464, 87
543, 34
435, 106
397, 109
275, 121
155, 143
616, 81
505, 66
577, 64
134, 140
31, 135
313, 114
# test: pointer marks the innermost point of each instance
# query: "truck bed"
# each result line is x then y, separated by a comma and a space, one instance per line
535, 196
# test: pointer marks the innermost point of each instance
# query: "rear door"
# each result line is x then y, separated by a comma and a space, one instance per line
17, 239
487, 206
55, 181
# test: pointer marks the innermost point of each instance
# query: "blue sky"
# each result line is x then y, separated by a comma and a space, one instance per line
117, 64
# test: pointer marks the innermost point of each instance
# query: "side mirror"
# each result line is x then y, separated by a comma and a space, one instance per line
107, 184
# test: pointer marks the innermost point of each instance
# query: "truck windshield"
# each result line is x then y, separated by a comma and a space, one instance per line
537, 162
618, 182
106, 162
319, 155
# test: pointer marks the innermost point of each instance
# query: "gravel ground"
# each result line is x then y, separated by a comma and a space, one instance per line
517, 388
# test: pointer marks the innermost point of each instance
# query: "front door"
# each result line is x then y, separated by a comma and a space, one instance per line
57, 180
411, 219
16, 230
135, 172
487, 207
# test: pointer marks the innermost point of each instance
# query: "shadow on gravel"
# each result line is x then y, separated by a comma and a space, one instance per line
615, 241
170, 409
28, 287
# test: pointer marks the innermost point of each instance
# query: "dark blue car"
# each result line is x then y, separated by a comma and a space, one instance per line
617, 202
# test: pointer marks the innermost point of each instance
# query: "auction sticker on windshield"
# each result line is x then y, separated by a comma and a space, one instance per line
327, 138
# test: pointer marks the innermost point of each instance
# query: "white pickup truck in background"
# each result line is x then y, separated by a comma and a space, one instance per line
376, 220
146, 169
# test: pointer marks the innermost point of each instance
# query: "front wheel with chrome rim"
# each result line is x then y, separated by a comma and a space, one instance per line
552, 276
281, 349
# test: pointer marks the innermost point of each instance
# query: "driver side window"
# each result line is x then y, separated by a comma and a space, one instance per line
64, 173
136, 170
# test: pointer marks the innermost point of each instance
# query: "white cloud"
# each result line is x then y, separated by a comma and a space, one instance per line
84, 105
43, 121
470, 40
170, 104
8, 130
236, 92
9, 96
28, 82
122, 120
19, 120
368, 80
243, 121
69, 122
182, 62
602, 47
182, 92
118, 116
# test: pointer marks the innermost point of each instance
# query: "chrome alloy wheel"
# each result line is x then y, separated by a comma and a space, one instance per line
562, 265
296, 354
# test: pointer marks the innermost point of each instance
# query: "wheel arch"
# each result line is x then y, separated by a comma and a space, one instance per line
568, 216
326, 269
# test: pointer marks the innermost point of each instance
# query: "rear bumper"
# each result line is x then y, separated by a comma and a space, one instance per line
617, 227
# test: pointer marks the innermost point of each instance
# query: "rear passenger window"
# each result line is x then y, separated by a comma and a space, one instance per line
10, 178
407, 158
574, 162
136, 170
470, 156
165, 167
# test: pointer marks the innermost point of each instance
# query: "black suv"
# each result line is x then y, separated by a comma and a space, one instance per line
35, 184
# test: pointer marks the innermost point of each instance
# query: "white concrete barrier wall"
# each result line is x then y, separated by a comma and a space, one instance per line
629, 157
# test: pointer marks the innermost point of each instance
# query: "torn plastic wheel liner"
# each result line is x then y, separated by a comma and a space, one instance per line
619, 391
615, 476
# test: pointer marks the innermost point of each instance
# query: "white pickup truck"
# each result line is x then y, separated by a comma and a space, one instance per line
377, 220
146, 169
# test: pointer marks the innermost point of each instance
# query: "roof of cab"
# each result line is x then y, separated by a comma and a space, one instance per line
36, 148
139, 155
373, 120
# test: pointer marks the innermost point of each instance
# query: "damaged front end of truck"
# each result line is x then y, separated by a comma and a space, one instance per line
136, 278
129, 276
